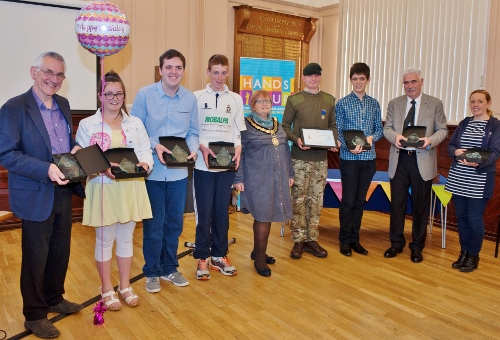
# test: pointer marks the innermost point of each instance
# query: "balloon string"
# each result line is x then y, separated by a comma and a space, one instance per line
100, 307
103, 82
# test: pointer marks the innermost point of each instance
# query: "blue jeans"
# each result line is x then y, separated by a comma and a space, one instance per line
470, 222
161, 233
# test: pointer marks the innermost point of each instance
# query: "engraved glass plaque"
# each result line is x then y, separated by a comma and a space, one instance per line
69, 166
223, 157
358, 141
412, 135
473, 157
413, 138
179, 154
127, 166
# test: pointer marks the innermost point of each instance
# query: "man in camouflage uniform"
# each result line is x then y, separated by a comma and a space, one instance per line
311, 109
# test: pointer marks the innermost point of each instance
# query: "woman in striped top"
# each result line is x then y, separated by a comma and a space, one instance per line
472, 183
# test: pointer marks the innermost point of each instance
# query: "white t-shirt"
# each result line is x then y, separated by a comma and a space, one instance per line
221, 123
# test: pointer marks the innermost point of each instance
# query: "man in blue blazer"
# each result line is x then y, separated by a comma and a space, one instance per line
33, 126
410, 166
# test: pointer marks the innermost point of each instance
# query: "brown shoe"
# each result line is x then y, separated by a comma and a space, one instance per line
65, 307
298, 249
314, 248
42, 328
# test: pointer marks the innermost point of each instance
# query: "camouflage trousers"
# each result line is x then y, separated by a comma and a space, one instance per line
307, 199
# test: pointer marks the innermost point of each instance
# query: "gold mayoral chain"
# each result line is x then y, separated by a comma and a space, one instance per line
271, 132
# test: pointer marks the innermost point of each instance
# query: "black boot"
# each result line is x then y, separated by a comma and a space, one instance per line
470, 263
461, 259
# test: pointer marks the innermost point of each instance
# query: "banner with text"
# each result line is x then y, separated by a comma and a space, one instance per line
273, 75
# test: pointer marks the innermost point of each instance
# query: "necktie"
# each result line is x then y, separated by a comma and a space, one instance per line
216, 99
410, 117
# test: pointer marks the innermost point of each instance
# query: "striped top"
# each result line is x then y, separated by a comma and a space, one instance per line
463, 180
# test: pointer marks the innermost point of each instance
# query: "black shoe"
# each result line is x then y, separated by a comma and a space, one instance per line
416, 256
269, 259
345, 250
65, 307
461, 259
358, 248
42, 328
393, 251
470, 263
265, 271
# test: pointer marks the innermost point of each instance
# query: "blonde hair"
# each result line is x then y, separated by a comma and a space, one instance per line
488, 99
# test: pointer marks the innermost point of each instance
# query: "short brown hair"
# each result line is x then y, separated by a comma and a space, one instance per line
217, 59
172, 54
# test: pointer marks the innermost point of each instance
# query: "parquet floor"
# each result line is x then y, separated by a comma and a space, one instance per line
361, 297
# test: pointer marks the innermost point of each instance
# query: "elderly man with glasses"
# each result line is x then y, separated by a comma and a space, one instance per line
34, 126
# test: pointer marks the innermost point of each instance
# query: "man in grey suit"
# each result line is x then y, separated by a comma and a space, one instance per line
412, 167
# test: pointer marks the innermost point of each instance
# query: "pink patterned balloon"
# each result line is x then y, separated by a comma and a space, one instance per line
102, 28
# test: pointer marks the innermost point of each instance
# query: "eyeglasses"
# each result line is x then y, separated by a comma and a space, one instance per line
50, 74
110, 96
263, 101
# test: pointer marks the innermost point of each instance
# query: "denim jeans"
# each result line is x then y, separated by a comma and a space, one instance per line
161, 233
470, 222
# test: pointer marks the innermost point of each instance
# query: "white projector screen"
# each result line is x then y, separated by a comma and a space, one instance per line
29, 28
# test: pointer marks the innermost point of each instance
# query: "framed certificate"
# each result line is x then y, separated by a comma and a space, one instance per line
318, 138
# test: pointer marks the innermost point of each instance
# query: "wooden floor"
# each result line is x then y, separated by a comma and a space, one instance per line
361, 297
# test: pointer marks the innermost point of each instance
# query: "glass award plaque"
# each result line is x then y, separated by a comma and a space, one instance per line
358, 141
69, 166
127, 160
224, 153
475, 155
76, 167
179, 154
354, 138
223, 157
179, 149
412, 134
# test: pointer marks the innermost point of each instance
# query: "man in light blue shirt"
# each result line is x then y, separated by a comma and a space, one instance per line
356, 111
167, 109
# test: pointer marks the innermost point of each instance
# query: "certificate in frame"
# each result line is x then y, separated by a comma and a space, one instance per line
318, 138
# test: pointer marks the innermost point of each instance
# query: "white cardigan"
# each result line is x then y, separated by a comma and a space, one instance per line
92, 127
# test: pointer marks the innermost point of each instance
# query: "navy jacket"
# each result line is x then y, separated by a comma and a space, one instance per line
491, 143
26, 152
